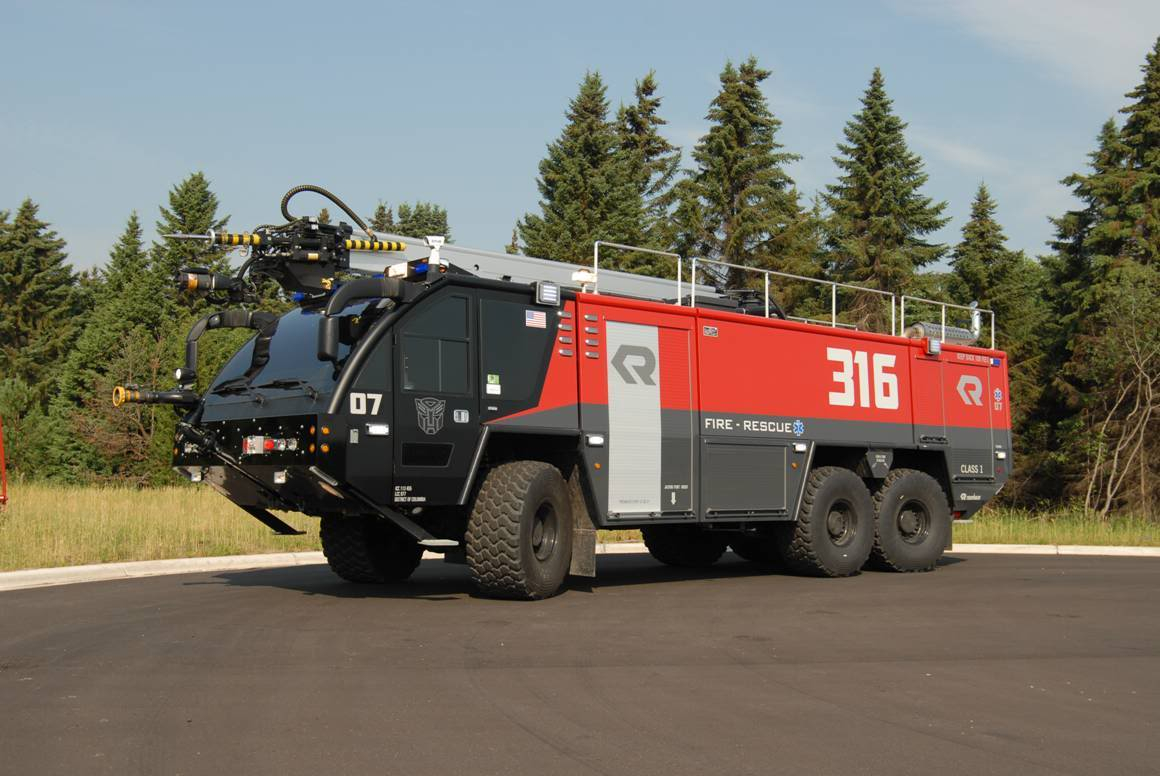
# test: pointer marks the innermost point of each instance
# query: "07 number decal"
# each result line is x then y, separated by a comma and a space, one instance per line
854, 378
359, 402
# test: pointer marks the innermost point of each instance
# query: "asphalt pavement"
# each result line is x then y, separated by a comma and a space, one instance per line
990, 665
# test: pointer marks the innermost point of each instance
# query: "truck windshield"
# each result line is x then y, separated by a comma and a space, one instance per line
293, 363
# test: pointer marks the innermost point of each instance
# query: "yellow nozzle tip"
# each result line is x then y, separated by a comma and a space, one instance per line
118, 396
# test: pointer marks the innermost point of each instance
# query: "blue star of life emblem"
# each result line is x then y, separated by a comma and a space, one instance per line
998, 394
799, 428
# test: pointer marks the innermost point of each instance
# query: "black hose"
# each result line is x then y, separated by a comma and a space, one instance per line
319, 190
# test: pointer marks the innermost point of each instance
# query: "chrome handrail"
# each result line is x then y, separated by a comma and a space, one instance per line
635, 249
943, 314
833, 285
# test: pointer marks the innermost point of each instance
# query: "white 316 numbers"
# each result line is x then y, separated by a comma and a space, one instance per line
854, 368
359, 401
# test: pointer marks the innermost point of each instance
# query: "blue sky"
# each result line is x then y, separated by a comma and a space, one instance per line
104, 106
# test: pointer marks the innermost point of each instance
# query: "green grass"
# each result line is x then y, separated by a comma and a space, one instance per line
47, 525
1017, 526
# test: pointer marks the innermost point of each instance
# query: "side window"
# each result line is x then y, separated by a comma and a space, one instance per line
435, 350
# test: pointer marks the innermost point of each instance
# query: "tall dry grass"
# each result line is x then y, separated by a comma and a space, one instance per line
49, 525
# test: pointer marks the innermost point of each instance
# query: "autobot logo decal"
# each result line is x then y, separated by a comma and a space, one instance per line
971, 390
430, 414
640, 359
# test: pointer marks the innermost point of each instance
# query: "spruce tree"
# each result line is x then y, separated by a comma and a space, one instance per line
879, 216
1010, 284
422, 219
513, 247
655, 160
192, 210
1104, 293
588, 190
90, 438
324, 216
383, 220
740, 205
38, 299
1134, 230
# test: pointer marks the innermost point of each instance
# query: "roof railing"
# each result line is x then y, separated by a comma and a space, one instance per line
832, 284
633, 249
974, 310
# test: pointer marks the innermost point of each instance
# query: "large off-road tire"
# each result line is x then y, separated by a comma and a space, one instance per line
368, 549
913, 522
834, 531
686, 546
519, 535
756, 548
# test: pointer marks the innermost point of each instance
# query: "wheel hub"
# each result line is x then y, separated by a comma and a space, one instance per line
913, 522
840, 524
544, 529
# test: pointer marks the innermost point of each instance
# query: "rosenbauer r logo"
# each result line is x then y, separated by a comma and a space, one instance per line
971, 390
644, 363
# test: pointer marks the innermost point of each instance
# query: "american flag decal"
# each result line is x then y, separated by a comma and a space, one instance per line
536, 319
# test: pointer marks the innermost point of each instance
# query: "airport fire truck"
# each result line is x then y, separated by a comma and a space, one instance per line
501, 409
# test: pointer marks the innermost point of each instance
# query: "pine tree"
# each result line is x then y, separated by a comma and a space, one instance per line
383, 219
588, 191
1011, 285
1105, 290
878, 214
38, 299
422, 219
654, 158
1137, 222
90, 438
324, 216
192, 210
740, 205
513, 247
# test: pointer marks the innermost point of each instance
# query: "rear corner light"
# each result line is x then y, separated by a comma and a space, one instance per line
260, 445
800, 447
595, 440
1001, 455
280, 477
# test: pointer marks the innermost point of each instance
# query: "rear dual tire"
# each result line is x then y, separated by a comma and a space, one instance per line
834, 532
913, 522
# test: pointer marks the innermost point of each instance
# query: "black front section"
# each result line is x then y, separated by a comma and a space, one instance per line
396, 421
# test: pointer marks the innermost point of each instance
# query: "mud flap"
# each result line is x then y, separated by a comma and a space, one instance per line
583, 531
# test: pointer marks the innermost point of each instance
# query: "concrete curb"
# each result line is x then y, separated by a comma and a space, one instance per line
69, 575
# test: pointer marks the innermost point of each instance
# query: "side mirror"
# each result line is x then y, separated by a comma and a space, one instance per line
328, 329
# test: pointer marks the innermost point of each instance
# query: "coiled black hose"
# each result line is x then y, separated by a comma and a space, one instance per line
319, 190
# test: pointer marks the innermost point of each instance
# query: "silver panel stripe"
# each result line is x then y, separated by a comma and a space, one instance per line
634, 421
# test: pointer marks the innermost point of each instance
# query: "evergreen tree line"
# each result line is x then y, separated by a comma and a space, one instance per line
1080, 324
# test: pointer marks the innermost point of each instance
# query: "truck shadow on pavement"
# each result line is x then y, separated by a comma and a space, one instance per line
436, 580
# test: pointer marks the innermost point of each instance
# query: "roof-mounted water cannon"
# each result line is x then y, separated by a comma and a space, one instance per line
302, 255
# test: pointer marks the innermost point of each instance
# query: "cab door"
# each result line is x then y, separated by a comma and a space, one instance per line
638, 395
436, 402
